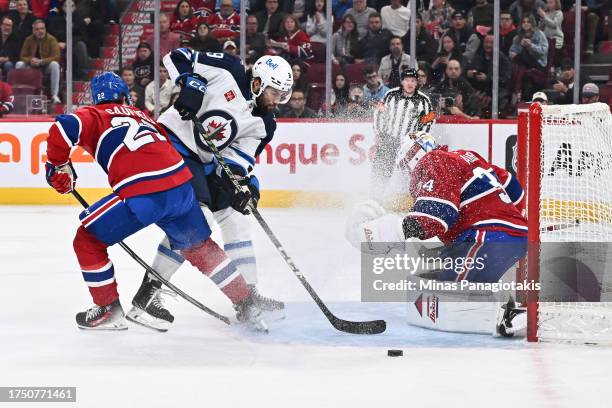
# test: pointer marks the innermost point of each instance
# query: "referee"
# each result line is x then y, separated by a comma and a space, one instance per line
403, 111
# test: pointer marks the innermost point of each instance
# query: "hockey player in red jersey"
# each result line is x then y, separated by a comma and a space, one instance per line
460, 198
150, 183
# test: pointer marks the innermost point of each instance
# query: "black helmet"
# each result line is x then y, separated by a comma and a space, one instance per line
409, 73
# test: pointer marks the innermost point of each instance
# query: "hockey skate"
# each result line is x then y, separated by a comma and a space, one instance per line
513, 321
109, 317
148, 308
250, 314
274, 308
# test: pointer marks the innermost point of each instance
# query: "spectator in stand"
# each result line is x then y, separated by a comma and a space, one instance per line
143, 64
592, 8
166, 89
297, 8
449, 51
56, 26
183, 21
374, 90
460, 31
297, 107
203, 41
550, 24
524, 8
229, 47
42, 8
10, 46
205, 8
340, 94
299, 80
507, 31
540, 97
294, 44
88, 25
225, 23
426, 46
529, 50
423, 79
457, 94
270, 20
361, 12
255, 41
481, 14
438, 18
22, 19
590, 93
565, 83
396, 18
374, 45
316, 22
340, 7
127, 74
356, 108
480, 74
41, 50
168, 40
391, 65
136, 99
6, 98
235, 5
345, 41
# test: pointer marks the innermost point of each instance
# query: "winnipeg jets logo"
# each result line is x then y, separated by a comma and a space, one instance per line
220, 127
217, 130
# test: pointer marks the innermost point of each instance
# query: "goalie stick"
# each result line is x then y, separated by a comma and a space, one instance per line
153, 272
368, 327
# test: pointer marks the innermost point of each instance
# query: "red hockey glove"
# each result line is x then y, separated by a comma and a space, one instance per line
62, 178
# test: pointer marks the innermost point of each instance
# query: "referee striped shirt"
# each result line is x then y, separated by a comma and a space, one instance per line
403, 115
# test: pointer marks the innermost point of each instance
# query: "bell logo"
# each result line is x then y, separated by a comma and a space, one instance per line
271, 64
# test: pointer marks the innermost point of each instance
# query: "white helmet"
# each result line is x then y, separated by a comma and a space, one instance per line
423, 144
275, 72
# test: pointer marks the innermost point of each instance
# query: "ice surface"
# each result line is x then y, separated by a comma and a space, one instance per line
303, 362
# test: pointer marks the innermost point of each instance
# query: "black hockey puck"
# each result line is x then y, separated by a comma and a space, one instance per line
395, 353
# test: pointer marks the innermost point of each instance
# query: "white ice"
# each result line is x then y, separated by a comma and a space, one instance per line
303, 362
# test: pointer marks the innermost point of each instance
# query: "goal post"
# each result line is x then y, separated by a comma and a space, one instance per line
564, 160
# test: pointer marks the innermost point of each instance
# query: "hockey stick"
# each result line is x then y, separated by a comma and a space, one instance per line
153, 272
369, 327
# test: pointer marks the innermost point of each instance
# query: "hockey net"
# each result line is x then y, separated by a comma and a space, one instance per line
564, 159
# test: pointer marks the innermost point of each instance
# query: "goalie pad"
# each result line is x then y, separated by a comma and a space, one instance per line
452, 311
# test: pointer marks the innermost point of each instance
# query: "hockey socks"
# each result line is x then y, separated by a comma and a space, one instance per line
214, 263
97, 269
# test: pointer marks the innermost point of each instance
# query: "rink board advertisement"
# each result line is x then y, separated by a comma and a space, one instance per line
306, 163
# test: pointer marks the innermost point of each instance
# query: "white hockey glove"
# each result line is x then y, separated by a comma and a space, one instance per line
369, 223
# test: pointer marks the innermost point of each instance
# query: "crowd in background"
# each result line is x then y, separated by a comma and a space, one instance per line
370, 46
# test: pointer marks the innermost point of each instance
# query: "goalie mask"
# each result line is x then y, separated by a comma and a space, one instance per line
423, 144
274, 72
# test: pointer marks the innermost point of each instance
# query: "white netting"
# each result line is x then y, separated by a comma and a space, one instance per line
576, 209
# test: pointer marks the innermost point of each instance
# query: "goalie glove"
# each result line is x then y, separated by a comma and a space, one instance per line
369, 223
189, 101
62, 178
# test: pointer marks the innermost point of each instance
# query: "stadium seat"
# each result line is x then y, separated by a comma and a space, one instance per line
27, 80
605, 93
354, 72
316, 94
318, 52
316, 72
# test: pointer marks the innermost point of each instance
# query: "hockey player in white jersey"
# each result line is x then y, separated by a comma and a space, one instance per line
238, 116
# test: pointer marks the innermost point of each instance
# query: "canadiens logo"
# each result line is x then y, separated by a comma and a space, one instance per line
221, 125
